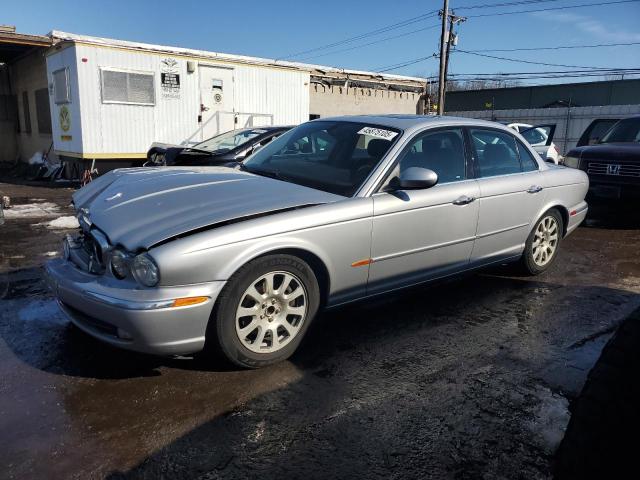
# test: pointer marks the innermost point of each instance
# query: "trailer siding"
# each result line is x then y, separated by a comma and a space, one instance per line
114, 130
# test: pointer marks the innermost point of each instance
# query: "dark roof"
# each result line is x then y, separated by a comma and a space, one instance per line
14, 45
584, 94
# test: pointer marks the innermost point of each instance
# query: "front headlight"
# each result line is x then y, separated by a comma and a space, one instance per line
571, 162
119, 264
145, 270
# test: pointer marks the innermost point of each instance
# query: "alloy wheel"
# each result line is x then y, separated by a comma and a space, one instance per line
271, 312
545, 241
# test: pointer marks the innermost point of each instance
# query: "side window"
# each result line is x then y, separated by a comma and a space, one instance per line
529, 164
441, 151
496, 151
535, 136
599, 129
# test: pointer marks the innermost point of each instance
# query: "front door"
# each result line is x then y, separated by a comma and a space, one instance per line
216, 101
511, 194
423, 234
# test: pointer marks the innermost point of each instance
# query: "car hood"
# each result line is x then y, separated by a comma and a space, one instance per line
138, 208
609, 151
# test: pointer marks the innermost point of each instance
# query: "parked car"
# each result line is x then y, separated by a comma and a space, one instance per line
232, 146
613, 163
239, 260
596, 130
540, 137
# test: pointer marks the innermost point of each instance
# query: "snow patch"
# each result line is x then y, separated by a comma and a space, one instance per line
64, 222
50, 254
32, 210
37, 159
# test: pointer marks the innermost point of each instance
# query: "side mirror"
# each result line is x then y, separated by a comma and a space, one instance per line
416, 178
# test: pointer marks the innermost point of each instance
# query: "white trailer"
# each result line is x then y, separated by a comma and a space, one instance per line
111, 99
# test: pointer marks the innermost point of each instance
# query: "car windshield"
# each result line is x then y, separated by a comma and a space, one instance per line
229, 140
624, 131
333, 156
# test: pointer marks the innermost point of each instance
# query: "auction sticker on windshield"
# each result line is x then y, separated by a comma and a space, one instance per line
378, 133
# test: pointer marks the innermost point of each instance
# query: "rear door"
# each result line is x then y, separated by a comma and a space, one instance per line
511, 193
539, 135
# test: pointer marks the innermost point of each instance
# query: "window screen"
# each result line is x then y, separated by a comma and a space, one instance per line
127, 87
42, 111
26, 113
61, 86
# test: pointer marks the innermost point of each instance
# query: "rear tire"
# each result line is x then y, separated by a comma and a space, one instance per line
541, 248
264, 311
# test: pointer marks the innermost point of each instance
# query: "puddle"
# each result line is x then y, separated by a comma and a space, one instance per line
44, 312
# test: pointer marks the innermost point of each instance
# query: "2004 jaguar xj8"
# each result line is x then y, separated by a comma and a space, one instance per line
240, 259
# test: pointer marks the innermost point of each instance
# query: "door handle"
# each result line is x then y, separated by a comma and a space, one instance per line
463, 200
534, 189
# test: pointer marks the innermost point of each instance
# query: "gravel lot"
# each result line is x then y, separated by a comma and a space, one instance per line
473, 378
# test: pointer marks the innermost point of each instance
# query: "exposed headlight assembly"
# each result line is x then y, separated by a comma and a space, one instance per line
119, 264
145, 270
572, 162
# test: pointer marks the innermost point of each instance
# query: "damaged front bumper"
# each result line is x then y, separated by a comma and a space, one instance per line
138, 319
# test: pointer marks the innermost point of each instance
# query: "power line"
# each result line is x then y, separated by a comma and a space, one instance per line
477, 53
535, 77
378, 31
405, 64
604, 71
582, 5
506, 59
558, 47
504, 4
371, 43
401, 24
434, 13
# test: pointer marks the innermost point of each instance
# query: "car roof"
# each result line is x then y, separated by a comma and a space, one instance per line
414, 122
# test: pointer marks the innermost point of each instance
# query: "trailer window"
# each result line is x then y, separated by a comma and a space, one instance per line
61, 86
133, 88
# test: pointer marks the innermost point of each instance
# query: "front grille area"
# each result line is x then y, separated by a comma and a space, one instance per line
89, 251
619, 169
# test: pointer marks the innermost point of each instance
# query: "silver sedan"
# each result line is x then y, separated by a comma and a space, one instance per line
240, 259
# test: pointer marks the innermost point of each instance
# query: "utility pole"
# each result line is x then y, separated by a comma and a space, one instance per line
444, 41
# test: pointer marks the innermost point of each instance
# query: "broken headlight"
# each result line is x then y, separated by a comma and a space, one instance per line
119, 264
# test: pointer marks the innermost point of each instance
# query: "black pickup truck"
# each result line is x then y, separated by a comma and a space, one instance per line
613, 163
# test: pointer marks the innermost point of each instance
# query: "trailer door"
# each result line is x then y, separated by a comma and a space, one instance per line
216, 101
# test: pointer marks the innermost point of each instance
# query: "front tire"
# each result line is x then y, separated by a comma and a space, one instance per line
543, 243
264, 311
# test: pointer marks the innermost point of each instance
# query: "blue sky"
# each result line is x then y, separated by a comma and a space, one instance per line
278, 28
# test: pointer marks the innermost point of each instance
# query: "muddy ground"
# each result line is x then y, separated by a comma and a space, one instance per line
473, 379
